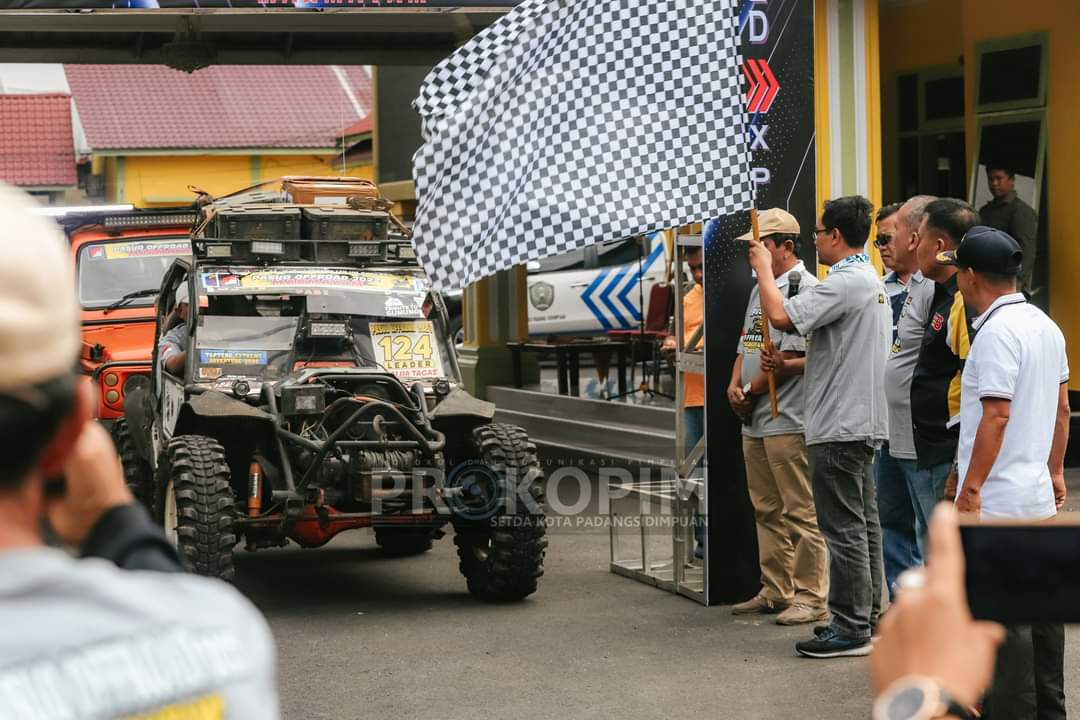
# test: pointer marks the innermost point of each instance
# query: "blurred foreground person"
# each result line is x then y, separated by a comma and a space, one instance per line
123, 631
933, 660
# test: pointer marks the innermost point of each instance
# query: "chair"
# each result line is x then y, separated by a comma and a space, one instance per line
651, 333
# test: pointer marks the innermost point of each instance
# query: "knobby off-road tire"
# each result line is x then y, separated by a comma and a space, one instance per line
137, 472
502, 557
194, 492
402, 542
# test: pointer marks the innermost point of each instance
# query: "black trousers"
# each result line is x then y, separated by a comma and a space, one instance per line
1029, 676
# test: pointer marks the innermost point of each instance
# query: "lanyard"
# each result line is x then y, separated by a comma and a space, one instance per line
986, 319
856, 259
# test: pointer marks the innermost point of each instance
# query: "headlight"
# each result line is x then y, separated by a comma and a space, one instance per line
365, 249
327, 329
218, 250
267, 247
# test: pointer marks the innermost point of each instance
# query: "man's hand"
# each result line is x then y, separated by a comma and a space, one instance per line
951, 483
772, 360
667, 348
969, 501
929, 631
760, 258
1058, 480
94, 484
740, 404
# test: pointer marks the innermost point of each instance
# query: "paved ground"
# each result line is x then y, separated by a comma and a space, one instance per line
364, 637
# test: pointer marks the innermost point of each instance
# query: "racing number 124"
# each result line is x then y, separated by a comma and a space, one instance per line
404, 348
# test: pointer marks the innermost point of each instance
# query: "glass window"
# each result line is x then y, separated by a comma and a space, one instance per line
1010, 75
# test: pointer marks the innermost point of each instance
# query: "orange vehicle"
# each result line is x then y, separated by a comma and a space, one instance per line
120, 259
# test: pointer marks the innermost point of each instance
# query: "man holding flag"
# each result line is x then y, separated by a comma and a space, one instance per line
848, 324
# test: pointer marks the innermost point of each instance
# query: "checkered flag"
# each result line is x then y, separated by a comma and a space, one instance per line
571, 122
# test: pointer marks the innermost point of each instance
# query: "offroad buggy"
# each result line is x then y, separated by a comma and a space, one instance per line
320, 394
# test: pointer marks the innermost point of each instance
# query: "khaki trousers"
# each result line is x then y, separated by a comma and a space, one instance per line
792, 552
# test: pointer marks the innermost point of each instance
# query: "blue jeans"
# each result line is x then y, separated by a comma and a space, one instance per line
906, 499
694, 430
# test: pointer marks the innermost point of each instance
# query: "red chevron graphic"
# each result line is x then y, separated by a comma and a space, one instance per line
763, 85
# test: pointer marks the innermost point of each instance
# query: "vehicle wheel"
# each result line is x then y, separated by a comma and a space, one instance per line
195, 504
502, 555
402, 542
138, 474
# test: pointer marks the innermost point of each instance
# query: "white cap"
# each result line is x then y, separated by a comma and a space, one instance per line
39, 312
181, 293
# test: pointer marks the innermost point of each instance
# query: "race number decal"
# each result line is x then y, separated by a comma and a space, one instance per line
407, 349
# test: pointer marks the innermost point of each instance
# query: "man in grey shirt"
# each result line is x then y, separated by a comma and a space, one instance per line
848, 325
83, 638
792, 553
905, 499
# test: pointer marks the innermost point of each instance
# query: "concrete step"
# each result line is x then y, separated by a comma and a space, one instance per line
613, 413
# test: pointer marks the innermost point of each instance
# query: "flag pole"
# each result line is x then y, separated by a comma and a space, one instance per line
765, 335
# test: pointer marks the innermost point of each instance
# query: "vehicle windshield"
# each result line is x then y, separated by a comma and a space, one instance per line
253, 347
109, 270
264, 323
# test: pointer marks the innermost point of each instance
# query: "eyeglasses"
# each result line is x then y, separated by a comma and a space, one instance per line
882, 240
818, 231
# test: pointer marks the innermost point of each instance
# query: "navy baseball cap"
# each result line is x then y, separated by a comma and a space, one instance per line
985, 249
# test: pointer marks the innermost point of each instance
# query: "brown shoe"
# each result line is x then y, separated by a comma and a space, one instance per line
798, 614
758, 605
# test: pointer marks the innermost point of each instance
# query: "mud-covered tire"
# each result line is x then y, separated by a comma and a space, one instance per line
138, 474
194, 477
502, 557
402, 542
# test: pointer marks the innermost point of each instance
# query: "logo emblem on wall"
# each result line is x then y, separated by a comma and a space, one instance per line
763, 85
541, 295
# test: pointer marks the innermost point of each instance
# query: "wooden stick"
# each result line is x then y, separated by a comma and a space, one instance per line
765, 335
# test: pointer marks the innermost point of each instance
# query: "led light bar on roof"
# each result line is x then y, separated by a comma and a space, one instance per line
150, 220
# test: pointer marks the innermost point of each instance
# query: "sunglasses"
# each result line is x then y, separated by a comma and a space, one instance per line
882, 240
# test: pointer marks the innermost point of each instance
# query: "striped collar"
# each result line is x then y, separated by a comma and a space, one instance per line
856, 259
1010, 299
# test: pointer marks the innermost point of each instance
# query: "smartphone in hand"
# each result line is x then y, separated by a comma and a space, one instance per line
1023, 572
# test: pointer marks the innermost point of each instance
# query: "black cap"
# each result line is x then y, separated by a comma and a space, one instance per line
985, 249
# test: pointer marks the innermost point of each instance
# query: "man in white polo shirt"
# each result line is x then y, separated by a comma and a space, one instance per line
1014, 426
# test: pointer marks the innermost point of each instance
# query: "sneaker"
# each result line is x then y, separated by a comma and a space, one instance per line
799, 614
829, 644
758, 605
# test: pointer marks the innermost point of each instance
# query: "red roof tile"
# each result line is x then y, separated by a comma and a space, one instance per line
36, 146
151, 107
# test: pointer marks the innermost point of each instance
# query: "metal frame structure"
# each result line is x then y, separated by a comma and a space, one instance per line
675, 489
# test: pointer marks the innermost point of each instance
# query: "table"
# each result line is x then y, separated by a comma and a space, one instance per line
567, 355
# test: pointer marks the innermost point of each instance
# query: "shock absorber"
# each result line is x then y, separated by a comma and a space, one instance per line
254, 489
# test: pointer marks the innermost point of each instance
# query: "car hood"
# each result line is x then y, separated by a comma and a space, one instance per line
125, 341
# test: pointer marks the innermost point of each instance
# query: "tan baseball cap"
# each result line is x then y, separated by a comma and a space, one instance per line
774, 221
39, 313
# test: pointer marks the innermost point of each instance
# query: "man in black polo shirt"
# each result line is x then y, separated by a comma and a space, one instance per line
935, 385
1007, 212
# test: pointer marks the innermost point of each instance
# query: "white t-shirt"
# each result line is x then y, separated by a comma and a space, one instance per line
1018, 354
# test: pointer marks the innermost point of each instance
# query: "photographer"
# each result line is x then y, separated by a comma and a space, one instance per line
85, 638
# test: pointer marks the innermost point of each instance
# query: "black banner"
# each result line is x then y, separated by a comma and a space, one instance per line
778, 68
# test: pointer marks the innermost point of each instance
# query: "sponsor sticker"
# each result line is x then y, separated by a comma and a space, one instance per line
232, 357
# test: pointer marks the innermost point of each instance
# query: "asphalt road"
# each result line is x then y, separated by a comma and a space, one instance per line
360, 636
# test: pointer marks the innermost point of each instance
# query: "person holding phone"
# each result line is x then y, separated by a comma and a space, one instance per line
121, 631
1014, 427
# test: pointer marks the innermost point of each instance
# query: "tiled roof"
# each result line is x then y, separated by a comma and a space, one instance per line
151, 107
36, 146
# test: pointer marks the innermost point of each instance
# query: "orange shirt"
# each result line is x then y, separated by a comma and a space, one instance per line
693, 314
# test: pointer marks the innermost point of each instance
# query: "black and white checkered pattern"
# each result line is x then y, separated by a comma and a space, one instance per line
573, 122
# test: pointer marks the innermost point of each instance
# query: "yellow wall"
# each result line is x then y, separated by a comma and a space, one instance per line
935, 32
913, 37
161, 180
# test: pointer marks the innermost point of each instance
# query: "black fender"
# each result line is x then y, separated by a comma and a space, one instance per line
139, 413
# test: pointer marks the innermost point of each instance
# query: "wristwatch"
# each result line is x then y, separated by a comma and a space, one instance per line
918, 698
746, 389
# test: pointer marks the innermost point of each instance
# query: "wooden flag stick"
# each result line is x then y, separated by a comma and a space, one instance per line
765, 335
